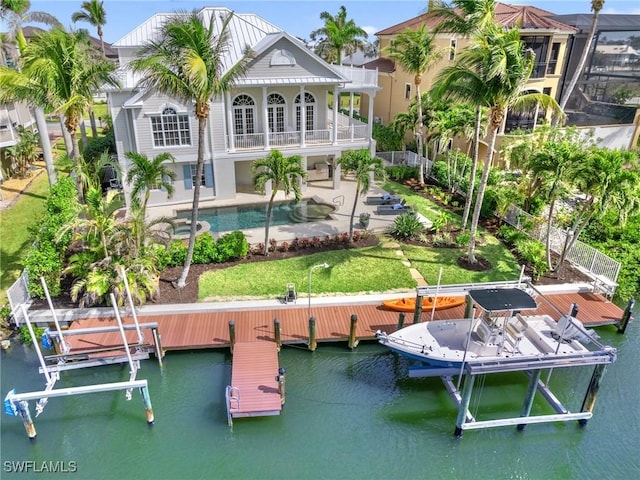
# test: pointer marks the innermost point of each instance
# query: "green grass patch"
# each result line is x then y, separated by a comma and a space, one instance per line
14, 225
428, 262
358, 270
100, 110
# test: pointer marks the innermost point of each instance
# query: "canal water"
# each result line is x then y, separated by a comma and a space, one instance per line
348, 415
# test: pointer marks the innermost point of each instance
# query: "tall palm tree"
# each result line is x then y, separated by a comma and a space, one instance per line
415, 51
467, 17
363, 166
145, 174
92, 12
60, 74
596, 6
20, 15
338, 36
492, 72
186, 61
281, 173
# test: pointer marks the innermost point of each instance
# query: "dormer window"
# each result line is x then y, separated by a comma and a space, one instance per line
282, 57
170, 128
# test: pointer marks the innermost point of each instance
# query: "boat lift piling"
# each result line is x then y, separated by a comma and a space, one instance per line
400, 321
313, 342
353, 341
276, 333
232, 335
626, 316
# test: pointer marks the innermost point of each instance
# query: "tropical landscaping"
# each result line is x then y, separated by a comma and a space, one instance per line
84, 243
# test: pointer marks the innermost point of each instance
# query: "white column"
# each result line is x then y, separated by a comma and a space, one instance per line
336, 100
303, 117
231, 127
265, 118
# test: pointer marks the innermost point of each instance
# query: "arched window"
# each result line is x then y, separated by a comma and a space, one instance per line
244, 113
275, 112
310, 111
170, 128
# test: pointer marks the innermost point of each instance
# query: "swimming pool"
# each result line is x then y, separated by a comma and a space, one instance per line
243, 217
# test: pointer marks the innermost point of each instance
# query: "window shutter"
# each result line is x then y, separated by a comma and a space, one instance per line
188, 184
208, 175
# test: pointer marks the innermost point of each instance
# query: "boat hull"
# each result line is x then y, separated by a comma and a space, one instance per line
408, 304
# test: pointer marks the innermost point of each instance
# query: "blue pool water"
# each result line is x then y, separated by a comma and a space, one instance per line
243, 217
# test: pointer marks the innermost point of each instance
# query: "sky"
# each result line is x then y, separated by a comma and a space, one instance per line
297, 17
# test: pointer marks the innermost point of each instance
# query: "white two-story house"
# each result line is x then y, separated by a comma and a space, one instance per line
287, 100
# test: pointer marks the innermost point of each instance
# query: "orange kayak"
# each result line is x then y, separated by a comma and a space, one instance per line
408, 304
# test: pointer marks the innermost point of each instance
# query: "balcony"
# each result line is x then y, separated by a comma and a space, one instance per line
293, 139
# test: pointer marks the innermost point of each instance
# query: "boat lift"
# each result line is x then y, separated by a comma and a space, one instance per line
598, 356
17, 404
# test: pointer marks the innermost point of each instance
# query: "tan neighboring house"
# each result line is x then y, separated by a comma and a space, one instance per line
548, 38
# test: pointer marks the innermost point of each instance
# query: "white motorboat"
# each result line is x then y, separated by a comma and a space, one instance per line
500, 335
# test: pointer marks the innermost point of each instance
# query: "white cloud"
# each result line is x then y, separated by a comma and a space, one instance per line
370, 30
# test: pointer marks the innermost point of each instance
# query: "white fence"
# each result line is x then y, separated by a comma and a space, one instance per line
18, 294
403, 158
602, 269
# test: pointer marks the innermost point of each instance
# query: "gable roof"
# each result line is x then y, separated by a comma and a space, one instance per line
109, 51
506, 15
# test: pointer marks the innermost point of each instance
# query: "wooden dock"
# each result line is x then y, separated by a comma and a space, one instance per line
188, 331
254, 389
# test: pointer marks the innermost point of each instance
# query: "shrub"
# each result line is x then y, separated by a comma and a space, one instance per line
97, 146
406, 225
510, 234
400, 173
443, 220
25, 335
463, 239
534, 253
232, 246
204, 249
176, 253
44, 261
387, 139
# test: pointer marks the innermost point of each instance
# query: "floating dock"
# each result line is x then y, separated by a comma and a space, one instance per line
257, 382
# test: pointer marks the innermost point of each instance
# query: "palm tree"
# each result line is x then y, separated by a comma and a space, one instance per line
19, 14
281, 173
363, 166
59, 74
609, 180
146, 175
468, 17
492, 73
338, 36
187, 62
596, 6
92, 12
415, 51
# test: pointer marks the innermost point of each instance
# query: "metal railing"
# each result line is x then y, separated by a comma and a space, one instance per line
18, 294
602, 269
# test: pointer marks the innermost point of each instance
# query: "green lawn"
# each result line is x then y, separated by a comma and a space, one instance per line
363, 270
14, 225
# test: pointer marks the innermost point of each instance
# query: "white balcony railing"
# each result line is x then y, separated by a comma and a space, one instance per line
248, 141
345, 133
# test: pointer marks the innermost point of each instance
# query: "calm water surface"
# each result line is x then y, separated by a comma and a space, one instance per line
348, 415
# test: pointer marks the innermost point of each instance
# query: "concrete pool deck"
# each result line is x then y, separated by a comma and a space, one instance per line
322, 192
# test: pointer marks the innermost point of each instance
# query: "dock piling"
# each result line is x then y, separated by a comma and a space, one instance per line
313, 343
276, 332
232, 334
592, 391
626, 316
418, 311
25, 414
353, 342
400, 320
281, 384
144, 391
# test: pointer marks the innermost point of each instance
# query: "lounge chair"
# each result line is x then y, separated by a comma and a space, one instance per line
386, 199
395, 209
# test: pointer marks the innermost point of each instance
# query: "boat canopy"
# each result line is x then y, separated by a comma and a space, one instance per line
501, 299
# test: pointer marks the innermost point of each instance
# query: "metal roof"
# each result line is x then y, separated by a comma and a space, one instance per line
607, 22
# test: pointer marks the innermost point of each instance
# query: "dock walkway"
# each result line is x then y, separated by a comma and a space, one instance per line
188, 329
